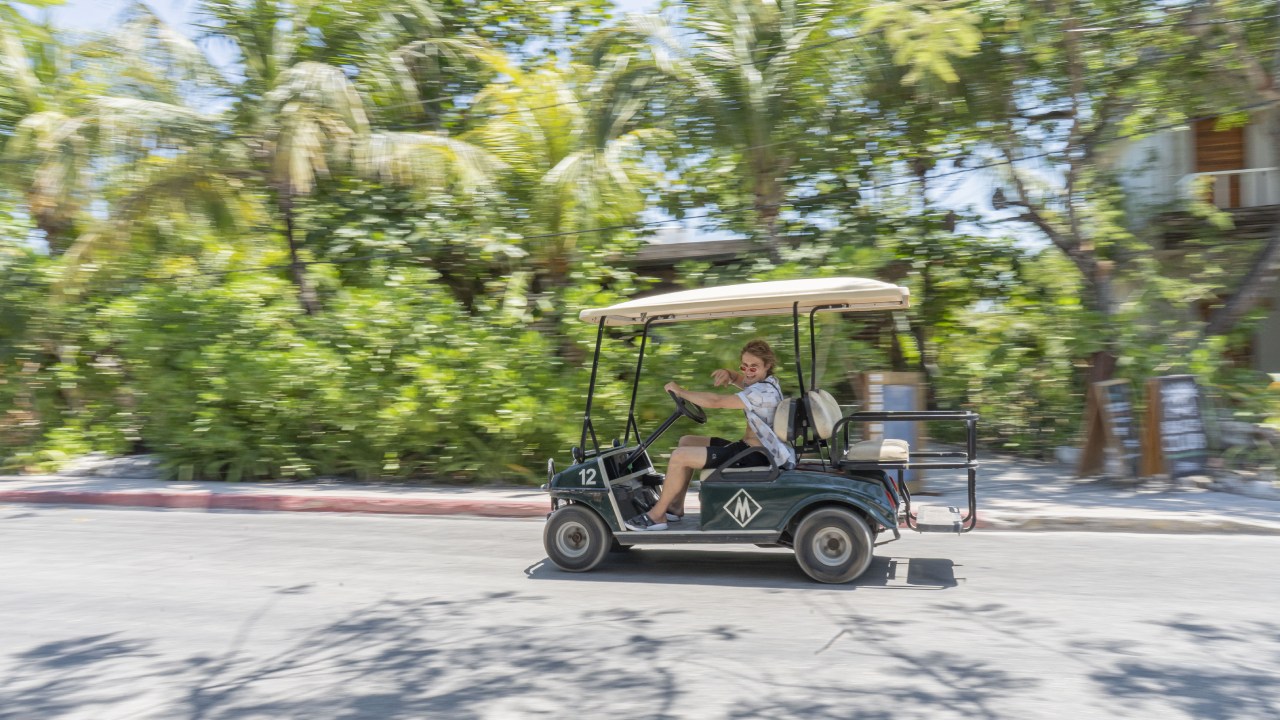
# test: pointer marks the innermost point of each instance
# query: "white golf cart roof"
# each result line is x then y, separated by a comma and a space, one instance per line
777, 297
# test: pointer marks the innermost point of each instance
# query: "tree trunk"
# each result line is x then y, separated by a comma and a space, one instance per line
1102, 366
1257, 284
56, 224
306, 294
768, 202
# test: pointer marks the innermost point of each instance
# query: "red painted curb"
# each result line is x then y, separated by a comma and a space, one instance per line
291, 503
299, 503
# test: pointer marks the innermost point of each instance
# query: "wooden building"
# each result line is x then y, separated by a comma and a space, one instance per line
1233, 167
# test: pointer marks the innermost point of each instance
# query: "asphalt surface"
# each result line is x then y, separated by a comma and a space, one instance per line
133, 613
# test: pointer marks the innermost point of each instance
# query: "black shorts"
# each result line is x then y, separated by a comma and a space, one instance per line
720, 451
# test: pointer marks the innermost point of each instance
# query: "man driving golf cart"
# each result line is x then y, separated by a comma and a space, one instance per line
759, 397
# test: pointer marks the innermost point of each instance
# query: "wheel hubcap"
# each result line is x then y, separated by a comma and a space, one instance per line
832, 546
572, 539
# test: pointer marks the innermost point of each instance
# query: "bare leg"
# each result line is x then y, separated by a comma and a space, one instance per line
698, 441
684, 460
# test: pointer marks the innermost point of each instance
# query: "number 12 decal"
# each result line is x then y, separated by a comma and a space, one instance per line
589, 476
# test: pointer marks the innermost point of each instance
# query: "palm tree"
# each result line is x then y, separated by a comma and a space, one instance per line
303, 117
572, 139
108, 136
748, 72
45, 149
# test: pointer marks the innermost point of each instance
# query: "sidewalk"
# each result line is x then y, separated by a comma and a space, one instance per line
1013, 494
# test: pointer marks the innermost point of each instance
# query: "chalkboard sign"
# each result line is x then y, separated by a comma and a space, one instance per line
1110, 425
1177, 443
1118, 410
895, 391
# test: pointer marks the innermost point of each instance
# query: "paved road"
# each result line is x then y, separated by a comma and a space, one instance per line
168, 614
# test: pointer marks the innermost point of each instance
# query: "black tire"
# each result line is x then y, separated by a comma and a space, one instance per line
576, 539
833, 545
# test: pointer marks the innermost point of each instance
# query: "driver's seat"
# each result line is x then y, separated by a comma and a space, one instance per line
786, 425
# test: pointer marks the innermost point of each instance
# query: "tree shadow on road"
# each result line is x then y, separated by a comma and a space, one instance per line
910, 680
58, 678
1231, 680
423, 658
466, 656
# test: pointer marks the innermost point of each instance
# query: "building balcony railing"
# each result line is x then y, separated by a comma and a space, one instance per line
1231, 189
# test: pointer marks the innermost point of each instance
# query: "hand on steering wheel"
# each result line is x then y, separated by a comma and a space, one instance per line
688, 409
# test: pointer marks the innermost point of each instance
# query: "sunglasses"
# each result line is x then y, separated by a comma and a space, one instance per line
745, 368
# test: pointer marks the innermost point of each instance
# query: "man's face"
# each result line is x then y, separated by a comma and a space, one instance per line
753, 369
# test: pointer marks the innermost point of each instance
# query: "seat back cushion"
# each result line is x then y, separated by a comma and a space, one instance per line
824, 412
784, 419
890, 450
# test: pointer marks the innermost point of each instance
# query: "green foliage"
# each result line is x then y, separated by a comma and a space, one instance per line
926, 35
445, 185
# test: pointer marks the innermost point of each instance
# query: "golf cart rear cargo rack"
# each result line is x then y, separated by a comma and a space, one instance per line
916, 459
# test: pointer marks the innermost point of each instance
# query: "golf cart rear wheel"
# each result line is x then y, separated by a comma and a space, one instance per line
833, 545
576, 539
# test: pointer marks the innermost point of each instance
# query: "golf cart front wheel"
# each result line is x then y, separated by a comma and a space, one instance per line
833, 545
576, 539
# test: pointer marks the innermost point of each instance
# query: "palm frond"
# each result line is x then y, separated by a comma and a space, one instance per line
320, 87
15, 68
124, 121
316, 116
429, 160
147, 45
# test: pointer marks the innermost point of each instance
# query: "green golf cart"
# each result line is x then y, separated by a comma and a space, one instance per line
843, 493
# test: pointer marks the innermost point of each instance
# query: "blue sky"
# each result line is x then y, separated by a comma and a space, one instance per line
99, 14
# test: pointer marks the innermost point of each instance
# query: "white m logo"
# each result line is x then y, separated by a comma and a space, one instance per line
742, 508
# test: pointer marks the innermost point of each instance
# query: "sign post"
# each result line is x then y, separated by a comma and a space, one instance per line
1110, 425
896, 391
1176, 442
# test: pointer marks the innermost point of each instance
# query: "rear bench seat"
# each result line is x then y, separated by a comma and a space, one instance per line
889, 450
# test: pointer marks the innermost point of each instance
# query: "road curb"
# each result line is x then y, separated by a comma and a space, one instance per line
507, 508
285, 503
1150, 525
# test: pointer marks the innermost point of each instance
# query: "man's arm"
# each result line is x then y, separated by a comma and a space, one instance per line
726, 377
707, 399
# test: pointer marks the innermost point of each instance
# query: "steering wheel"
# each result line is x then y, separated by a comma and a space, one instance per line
688, 409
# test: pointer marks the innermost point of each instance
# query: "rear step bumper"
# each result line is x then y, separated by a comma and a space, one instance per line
938, 519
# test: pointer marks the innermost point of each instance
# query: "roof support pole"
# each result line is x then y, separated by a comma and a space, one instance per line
813, 352
591, 391
635, 385
795, 327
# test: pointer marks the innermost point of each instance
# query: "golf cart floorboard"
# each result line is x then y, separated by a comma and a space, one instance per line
687, 531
